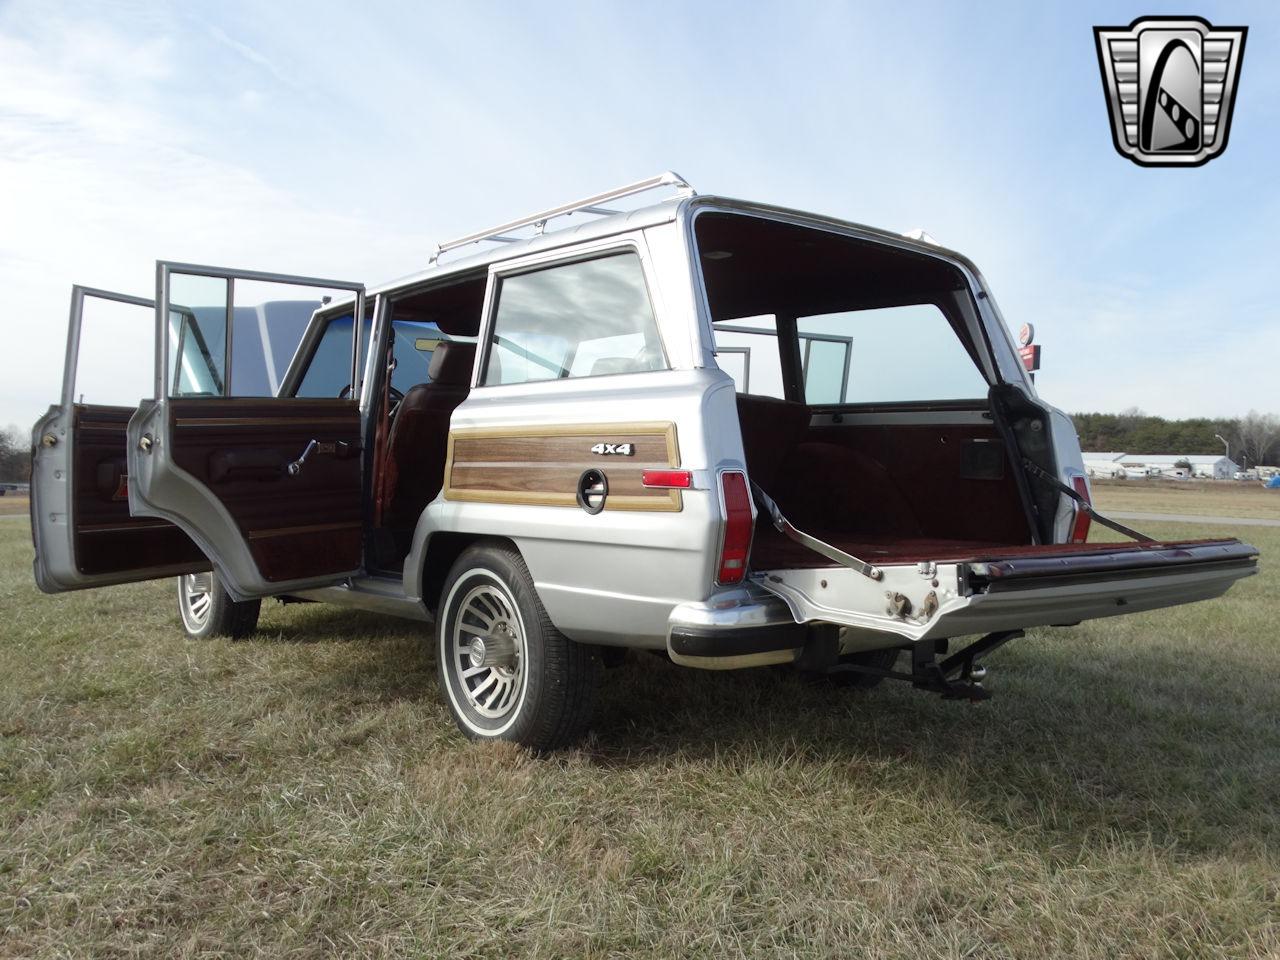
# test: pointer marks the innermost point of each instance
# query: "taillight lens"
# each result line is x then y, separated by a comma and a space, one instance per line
1080, 527
667, 479
736, 546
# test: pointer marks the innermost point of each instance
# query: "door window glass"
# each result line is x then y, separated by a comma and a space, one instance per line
583, 319
117, 341
747, 350
329, 372
267, 321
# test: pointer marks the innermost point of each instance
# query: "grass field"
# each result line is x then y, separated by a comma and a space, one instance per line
304, 793
11, 504
1206, 498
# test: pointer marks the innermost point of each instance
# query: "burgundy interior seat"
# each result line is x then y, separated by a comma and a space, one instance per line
419, 439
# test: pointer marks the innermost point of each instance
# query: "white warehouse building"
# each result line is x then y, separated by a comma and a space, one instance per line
1203, 465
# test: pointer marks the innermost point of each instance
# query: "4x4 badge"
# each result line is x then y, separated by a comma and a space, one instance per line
613, 449
1170, 84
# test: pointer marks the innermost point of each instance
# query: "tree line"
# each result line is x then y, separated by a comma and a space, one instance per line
15, 455
1253, 438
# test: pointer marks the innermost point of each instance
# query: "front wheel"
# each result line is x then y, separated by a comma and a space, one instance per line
207, 610
507, 672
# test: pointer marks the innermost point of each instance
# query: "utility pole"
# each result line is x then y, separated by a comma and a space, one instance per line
1218, 436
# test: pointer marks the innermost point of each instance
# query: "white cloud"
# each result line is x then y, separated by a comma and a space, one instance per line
92, 172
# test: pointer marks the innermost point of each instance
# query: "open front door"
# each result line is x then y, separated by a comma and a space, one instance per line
80, 523
268, 486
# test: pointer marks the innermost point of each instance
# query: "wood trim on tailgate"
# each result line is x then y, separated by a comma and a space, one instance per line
541, 465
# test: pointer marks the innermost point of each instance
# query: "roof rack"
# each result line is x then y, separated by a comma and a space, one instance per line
592, 205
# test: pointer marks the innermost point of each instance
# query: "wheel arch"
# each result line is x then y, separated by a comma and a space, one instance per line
441, 551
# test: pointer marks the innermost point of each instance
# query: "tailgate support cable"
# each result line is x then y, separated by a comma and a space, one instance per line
1081, 503
784, 526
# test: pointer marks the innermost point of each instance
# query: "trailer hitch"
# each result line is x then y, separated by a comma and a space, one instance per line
959, 676
956, 677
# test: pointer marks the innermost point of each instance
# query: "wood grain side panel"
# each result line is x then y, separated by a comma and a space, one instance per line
541, 466
649, 451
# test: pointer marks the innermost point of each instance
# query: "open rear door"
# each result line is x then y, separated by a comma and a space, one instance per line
83, 533
269, 487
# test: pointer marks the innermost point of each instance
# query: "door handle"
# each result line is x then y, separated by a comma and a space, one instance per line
336, 448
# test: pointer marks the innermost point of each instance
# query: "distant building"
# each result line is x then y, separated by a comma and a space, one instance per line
1203, 465
1103, 465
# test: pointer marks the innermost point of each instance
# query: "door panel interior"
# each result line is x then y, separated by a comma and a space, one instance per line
81, 527
239, 451
107, 539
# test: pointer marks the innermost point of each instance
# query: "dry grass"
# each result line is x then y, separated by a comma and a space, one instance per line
1190, 497
12, 503
304, 793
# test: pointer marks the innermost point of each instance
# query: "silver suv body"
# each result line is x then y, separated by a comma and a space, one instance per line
738, 434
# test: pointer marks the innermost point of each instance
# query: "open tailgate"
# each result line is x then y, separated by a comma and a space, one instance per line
1013, 588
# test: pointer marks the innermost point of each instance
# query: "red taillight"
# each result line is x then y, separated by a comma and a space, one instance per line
667, 479
1080, 527
737, 527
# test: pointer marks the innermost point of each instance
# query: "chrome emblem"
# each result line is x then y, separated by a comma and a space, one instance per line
613, 449
1170, 84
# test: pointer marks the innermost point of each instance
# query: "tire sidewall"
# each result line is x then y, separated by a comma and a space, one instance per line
477, 567
217, 601
227, 617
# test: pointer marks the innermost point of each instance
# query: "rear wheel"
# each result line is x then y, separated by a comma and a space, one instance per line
507, 672
207, 610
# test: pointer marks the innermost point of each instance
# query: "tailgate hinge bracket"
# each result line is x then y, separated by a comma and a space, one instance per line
783, 525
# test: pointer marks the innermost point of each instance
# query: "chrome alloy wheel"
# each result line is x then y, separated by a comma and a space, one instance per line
489, 651
196, 594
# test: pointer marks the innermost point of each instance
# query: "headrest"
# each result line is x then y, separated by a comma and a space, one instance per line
451, 363
607, 365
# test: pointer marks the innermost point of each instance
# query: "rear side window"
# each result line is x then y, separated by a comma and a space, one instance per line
585, 319
886, 355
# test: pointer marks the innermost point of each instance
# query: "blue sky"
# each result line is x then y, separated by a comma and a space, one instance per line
338, 140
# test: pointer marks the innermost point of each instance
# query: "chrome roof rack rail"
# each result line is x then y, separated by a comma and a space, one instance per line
592, 205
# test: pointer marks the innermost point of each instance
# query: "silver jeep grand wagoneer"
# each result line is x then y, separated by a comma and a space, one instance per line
733, 433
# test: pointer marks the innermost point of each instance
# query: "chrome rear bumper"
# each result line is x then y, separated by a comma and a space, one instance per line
746, 627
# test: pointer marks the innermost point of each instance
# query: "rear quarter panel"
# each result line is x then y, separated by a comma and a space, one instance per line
615, 576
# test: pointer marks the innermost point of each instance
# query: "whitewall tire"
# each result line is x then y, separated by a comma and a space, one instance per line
506, 672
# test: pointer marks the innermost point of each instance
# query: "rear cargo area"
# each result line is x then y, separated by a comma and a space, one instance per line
892, 493
884, 492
